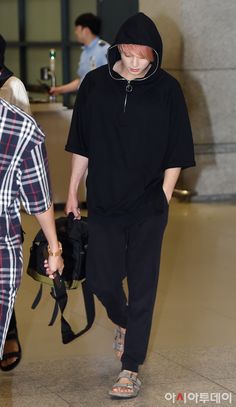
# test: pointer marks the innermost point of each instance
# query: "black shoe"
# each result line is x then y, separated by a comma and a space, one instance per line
13, 335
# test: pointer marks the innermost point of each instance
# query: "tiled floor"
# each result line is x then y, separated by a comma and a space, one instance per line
193, 342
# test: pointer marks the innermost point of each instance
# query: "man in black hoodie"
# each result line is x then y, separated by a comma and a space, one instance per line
130, 128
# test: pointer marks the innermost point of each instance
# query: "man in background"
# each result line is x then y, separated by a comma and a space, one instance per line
94, 52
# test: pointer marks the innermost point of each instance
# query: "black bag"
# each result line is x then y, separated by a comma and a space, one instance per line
73, 234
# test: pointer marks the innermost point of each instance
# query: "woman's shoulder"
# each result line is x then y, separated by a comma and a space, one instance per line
13, 81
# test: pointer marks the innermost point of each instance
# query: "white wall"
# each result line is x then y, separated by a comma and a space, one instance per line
200, 50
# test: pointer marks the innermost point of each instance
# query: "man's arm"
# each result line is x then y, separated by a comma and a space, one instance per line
67, 88
170, 178
78, 168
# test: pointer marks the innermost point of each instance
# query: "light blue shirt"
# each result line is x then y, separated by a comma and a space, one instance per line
92, 56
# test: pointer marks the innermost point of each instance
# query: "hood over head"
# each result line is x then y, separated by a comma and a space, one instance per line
140, 30
5, 72
5, 75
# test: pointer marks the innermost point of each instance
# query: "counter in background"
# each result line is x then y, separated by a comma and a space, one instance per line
54, 119
47, 107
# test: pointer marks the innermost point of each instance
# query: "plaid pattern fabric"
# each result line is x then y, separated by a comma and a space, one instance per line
23, 179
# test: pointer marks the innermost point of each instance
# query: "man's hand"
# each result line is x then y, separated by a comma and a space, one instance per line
170, 179
167, 195
54, 91
72, 206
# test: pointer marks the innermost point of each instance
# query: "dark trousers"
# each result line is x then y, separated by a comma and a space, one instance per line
12, 325
132, 250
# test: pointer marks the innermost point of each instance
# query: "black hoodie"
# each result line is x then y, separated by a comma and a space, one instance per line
131, 131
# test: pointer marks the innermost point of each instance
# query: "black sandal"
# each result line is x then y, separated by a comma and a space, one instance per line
13, 335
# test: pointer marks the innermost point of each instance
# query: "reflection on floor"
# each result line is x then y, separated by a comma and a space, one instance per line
192, 350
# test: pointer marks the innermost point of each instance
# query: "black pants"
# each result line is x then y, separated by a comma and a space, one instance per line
117, 250
12, 325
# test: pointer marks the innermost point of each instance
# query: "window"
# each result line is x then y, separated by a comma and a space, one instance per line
32, 27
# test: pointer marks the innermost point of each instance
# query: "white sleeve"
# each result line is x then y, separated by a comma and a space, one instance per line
15, 93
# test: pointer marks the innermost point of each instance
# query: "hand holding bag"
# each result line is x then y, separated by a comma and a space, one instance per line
73, 235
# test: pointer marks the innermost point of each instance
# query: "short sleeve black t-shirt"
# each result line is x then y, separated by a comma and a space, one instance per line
130, 139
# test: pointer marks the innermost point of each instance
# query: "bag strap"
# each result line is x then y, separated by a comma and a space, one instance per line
55, 309
61, 297
38, 297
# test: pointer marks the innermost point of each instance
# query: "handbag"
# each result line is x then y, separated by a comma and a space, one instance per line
73, 235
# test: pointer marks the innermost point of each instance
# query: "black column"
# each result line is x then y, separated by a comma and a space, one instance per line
113, 13
22, 46
65, 47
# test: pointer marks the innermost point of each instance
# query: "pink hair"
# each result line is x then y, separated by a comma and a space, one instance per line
142, 51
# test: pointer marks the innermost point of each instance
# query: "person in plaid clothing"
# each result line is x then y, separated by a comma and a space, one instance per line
24, 179
13, 91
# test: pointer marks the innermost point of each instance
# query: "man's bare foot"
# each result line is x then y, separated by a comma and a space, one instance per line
126, 386
119, 341
124, 380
